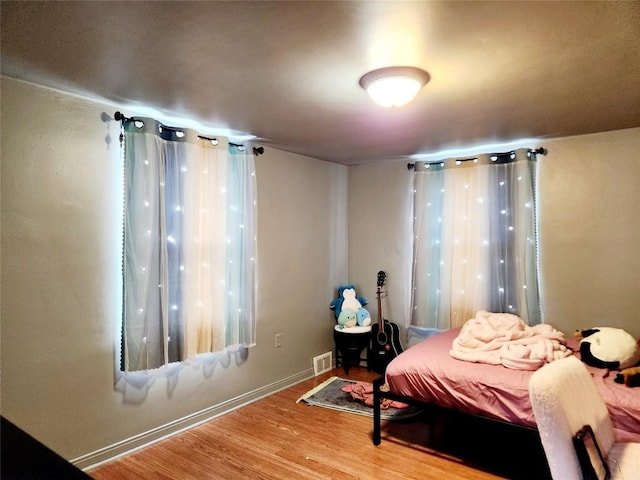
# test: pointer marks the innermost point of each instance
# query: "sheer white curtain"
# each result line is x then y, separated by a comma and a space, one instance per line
189, 246
475, 239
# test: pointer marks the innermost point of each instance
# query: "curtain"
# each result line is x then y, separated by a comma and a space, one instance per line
189, 245
475, 239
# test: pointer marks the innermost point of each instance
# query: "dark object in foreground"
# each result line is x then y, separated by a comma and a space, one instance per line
24, 457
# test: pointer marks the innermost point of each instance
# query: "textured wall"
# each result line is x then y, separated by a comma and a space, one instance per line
61, 207
589, 231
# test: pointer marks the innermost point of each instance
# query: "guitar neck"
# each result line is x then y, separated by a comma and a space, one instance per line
380, 321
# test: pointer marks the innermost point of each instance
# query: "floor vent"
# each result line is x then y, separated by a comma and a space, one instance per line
322, 363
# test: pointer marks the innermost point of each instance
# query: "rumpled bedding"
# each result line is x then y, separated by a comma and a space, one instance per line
505, 339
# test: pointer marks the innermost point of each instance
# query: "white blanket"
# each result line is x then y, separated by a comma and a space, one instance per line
504, 339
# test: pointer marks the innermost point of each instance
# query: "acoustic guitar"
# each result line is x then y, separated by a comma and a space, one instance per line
384, 344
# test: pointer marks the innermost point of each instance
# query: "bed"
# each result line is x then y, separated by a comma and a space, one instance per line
426, 373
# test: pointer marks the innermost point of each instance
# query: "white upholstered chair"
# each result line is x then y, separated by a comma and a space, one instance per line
565, 398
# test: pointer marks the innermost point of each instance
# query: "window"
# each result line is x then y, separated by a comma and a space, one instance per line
189, 245
475, 239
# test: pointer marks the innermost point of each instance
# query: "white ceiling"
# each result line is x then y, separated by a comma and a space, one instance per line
287, 72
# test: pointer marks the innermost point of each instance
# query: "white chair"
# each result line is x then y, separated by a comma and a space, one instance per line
565, 398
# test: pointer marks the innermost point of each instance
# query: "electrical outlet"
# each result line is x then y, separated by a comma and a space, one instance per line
278, 340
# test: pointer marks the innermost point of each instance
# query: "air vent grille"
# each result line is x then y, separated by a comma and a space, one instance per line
322, 363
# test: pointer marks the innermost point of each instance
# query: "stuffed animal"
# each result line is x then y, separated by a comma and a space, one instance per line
350, 300
337, 304
629, 376
606, 347
363, 319
347, 318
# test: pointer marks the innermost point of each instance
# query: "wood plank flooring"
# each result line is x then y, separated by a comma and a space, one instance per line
277, 438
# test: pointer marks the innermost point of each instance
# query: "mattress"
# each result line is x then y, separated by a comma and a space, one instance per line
426, 372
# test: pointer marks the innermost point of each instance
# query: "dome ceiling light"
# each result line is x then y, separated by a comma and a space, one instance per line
394, 86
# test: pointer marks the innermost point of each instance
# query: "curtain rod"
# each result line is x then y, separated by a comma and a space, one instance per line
120, 117
538, 151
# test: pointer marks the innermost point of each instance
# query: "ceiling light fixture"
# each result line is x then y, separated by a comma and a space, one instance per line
394, 86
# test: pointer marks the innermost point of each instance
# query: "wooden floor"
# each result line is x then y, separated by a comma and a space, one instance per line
277, 438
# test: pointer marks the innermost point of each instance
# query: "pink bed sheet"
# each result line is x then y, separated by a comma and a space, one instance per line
428, 373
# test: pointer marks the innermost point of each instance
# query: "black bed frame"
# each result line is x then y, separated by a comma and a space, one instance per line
379, 395
520, 464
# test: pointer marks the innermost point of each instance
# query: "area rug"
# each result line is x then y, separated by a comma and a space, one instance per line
329, 394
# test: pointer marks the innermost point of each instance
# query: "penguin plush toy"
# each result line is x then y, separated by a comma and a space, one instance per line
610, 348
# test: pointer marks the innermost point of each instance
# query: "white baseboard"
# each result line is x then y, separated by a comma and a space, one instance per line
93, 459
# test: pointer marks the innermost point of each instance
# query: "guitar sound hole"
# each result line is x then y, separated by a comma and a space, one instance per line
382, 338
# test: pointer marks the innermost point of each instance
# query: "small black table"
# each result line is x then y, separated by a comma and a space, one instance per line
350, 342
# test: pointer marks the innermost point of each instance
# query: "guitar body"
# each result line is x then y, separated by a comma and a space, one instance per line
384, 344
383, 347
